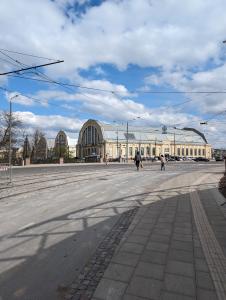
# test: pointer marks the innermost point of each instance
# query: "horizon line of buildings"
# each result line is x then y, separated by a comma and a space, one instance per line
117, 141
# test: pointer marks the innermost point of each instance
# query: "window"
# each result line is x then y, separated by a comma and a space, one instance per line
191, 152
195, 152
182, 151
130, 151
148, 150
89, 135
186, 151
178, 151
167, 150
136, 149
199, 151
129, 136
203, 152
142, 150
153, 151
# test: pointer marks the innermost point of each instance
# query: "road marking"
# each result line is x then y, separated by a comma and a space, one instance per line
26, 226
90, 195
212, 250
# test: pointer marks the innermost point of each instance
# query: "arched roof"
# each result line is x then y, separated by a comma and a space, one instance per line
112, 132
144, 134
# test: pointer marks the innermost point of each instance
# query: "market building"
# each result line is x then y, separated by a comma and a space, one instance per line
97, 138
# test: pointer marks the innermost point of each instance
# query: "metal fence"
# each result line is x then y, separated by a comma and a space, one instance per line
5, 177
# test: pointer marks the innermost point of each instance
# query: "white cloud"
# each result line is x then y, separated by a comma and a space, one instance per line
50, 122
20, 99
146, 33
201, 81
100, 71
176, 36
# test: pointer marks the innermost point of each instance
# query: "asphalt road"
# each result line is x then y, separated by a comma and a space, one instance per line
53, 218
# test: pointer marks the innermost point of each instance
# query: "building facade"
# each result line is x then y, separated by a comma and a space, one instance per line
96, 138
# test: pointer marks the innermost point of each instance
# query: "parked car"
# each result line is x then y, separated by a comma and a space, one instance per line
219, 158
171, 158
92, 158
201, 159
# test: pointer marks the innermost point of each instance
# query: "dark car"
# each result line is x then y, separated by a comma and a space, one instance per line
171, 158
201, 159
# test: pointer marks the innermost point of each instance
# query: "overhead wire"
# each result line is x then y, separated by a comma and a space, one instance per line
26, 54
47, 79
29, 97
106, 90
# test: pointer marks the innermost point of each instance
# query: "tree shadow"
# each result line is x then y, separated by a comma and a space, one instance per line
42, 260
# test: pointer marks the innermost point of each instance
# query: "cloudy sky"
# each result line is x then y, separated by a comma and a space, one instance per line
160, 60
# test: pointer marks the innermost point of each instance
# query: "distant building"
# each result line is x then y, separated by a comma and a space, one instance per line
97, 138
219, 153
64, 145
40, 148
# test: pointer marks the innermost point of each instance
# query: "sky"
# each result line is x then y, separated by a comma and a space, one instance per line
148, 62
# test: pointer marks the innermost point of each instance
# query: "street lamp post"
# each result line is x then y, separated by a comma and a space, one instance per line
127, 141
174, 146
117, 145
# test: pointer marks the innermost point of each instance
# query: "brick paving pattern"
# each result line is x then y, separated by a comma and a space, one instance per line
161, 258
161, 255
89, 278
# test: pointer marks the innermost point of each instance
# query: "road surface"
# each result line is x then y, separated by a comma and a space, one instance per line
53, 219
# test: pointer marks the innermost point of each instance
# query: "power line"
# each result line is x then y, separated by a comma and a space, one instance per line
68, 86
34, 67
29, 97
123, 92
9, 62
26, 54
118, 92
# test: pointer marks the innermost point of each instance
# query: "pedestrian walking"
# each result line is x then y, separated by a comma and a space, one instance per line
163, 161
106, 159
137, 160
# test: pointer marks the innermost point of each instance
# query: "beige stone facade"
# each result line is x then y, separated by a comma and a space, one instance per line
101, 139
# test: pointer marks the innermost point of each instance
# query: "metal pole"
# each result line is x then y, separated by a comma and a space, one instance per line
174, 146
117, 144
10, 141
155, 146
127, 141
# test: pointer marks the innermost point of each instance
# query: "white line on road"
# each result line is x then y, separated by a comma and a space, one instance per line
26, 226
90, 195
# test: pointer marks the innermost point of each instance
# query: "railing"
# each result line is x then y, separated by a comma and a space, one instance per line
4, 174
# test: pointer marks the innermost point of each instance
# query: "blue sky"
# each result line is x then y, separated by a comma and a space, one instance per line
132, 49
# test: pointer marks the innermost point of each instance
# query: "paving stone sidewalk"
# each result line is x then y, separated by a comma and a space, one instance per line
161, 256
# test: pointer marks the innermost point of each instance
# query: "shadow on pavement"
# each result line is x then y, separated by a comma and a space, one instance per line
48, 260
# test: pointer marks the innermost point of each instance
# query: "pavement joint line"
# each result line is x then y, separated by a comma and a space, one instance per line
215, 258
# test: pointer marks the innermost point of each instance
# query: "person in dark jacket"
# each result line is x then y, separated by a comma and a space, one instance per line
137, 160
163, 161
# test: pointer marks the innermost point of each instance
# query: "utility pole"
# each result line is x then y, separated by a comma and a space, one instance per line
155, 145
117, 145
127, 141
174, 140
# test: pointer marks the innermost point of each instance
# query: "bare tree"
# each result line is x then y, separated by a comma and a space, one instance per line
16, 129
39, 145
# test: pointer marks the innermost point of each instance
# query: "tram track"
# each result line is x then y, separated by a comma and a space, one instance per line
56, 184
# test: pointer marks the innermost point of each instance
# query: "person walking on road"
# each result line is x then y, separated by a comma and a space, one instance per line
106, 159
137, 160
163, 161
